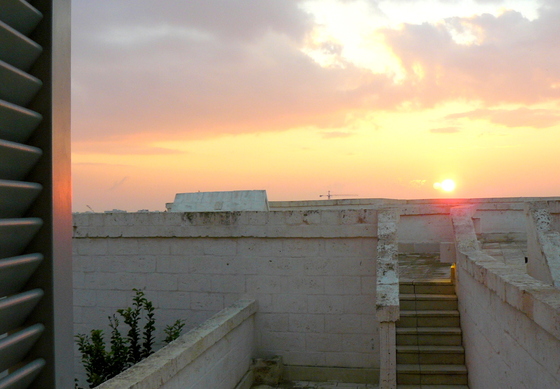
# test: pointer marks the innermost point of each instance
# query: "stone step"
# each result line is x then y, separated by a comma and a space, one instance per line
431, 318
416, 374
431, 355
424, 336
432, 387
428, 302
427, 287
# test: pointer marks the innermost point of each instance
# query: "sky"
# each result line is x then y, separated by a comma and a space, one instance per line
362, 98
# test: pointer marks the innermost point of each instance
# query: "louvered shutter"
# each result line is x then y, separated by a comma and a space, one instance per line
26, 293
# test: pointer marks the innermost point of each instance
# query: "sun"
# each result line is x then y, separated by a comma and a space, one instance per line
447, 185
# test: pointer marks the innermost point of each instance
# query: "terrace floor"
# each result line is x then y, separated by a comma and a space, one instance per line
416, 267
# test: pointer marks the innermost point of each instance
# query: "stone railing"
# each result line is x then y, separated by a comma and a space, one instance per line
387, 302
217, 355
543, 244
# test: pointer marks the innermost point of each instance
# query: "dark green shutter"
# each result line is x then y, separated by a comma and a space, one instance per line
18, 334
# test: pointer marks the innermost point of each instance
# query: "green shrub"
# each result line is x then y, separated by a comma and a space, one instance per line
102, 364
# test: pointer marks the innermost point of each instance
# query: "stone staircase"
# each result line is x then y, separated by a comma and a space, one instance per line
429, 346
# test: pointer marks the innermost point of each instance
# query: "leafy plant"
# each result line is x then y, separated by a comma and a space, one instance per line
102, 364
173, 331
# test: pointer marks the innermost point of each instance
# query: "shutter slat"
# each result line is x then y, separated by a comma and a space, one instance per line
16, 197
16, 86
16, 160
15, 235
17, 123
15, 271
20, 51
19, 15
23, 377
15, 309
14, 347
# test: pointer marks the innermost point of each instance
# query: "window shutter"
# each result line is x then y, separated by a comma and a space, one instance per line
18, 334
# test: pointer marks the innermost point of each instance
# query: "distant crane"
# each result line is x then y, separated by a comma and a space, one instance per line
329, 195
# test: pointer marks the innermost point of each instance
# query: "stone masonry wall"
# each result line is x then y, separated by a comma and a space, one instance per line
311, 272
504, 347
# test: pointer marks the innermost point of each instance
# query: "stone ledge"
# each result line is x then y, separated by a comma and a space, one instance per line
167, 362
277, 224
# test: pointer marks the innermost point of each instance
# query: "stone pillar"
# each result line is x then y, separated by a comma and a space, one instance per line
388, 351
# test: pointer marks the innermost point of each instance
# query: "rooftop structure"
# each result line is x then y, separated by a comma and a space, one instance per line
336, 289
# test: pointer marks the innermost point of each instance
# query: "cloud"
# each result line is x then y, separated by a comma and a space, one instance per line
118, 183
521, 117
197, 69
190, 78
509, 59
417, 183
444, 130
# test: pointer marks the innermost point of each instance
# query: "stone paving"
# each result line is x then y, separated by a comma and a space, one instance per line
415, 267
317, 385
510, 253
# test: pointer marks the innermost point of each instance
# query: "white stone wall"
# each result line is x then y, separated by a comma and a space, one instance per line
510, 321
504, 347
313, 274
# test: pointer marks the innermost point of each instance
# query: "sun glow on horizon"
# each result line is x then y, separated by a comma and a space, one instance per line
447, 185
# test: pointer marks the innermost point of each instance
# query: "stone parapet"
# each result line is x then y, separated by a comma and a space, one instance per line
281, 224
217, 354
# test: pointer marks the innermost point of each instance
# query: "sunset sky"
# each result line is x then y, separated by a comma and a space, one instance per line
380, 99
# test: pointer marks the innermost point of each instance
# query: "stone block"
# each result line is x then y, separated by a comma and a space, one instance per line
325, 304
161, 281
220, 247
84, 298
172, 264
304, 358
252, 247
174, 300
330, 218
273, 322
185, 246
447, 252
280, 342
340, 285
298, 248
278, 265
266, 284
128, 246
304, 323
358, 343
311, 217
343, 324
267, 371
289, 303
228, 283
305, 285
91, 247
358, 304
194, 282
346, 359
207, 301
323, 342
